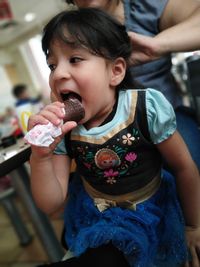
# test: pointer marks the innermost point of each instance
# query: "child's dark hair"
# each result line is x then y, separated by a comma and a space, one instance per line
91, 28
69, 2
18, 90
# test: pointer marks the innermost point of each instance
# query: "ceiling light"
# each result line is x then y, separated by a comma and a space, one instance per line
29, 17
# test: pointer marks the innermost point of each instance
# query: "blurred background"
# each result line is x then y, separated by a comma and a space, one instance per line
22, 62
21, 57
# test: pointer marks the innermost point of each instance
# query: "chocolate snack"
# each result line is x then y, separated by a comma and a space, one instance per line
74, 110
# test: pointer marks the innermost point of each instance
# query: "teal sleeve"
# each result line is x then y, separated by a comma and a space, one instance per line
61, 148
160, 116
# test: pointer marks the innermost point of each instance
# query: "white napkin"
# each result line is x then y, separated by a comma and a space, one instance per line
42, 135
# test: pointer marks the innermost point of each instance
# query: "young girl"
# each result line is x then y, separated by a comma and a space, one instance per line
155, 34
124, 210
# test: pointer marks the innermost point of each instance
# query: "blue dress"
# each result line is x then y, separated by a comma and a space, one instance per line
153, 233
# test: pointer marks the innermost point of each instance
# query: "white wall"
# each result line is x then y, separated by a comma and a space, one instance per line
6, 98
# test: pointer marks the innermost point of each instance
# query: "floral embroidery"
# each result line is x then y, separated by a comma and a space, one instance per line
107, 164
111, 173
136, 133
82, 150
87, 165
131, 157
111, 180
127, 139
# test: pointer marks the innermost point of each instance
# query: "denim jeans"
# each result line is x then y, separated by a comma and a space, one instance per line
190, 131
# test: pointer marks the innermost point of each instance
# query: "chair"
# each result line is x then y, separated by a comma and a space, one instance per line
193, 83
7, 199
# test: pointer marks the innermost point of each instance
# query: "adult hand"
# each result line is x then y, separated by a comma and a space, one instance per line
193, 242
145, 48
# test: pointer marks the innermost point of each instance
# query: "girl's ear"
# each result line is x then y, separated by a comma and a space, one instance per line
118, 71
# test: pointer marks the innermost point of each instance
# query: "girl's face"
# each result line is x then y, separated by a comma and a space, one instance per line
90, 77
92, 3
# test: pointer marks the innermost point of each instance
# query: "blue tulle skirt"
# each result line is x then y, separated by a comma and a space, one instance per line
153, 235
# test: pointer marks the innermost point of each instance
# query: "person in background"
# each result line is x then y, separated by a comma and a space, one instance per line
9, 126
124, 210
25, 104
22, 95
11, 119
158, 28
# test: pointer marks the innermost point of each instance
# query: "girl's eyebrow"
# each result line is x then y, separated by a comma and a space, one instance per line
75, 47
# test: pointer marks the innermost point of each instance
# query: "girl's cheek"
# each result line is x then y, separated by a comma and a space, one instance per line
53, 97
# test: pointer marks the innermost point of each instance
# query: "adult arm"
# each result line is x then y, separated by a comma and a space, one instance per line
179, 32
179, 26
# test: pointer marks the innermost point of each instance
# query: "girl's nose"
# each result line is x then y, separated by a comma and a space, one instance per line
61, 72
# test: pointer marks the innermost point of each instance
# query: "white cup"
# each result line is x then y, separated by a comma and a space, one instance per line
23, 113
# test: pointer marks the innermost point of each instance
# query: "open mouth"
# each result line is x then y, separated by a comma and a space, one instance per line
70, 96
74, 109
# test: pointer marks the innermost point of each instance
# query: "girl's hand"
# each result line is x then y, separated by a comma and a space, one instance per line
193, 242
51, 113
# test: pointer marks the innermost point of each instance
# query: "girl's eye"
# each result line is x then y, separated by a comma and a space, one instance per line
75, 59
51, 67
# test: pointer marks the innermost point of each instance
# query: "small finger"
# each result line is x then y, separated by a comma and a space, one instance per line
195, 258
53, 116
68, 126
36, 119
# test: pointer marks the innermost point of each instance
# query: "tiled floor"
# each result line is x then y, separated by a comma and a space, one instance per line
14, 255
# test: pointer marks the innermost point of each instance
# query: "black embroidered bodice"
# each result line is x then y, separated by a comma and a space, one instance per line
122, 158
